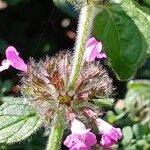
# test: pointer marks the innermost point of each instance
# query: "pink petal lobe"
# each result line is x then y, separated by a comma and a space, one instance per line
99, 47
89, 138
80, 138
91, 41
80, 146
16, 61
93, 50
110, 134
107, 141
78, 127
5, 65
101, 55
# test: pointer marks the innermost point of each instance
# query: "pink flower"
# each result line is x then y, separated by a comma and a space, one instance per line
13, 59
80, 138
93, 50
110, 135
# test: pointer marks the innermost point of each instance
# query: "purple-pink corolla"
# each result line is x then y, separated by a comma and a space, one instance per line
80, 138
110, 134
13, 59
93, 50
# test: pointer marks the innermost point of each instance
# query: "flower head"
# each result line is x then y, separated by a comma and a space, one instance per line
80, 138
93, 50
110, 134
13, 59
45, 84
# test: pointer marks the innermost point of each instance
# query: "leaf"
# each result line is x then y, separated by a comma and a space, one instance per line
141, 19
147, 2
127, 134
125, 50
138, 130
17, 122
104, 103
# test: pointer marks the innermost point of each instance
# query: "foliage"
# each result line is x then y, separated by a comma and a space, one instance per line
18, 121
126, 51
133, 114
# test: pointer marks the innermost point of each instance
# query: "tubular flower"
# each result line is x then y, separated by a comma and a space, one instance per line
13, 59
93, 50
110, 135
80, 138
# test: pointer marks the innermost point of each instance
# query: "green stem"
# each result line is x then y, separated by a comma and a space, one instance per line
86, 18
54, 141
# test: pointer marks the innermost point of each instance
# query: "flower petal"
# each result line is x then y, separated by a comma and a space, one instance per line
16, 61
78, 127
107, 141
93, 50
89, 139
5, 65
99, 47
110, 134
91, 41
101, 55
81, 138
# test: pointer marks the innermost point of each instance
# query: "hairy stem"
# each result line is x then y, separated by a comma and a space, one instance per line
86, 18
54, 141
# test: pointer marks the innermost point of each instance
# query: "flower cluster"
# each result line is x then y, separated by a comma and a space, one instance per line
45, 86
82, 138
93, 50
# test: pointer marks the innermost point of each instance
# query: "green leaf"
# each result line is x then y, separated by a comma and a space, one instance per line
104, 103
138, 130
141, 19
125, 50
127, 134
141, 144
17, 122
147, 2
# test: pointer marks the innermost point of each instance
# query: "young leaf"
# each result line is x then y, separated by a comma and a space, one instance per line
17, 122
124, 45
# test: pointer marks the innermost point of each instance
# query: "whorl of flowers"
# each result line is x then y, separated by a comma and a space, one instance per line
44, 85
